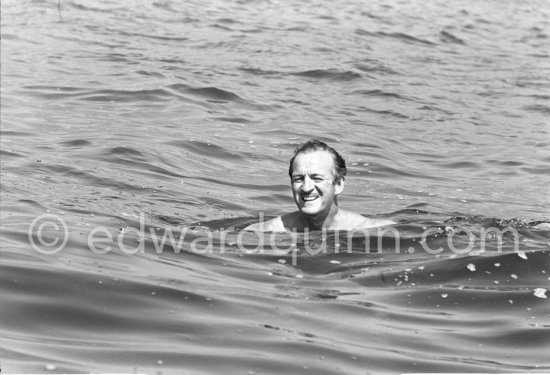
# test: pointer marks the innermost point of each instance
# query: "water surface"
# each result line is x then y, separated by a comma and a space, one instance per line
181, 117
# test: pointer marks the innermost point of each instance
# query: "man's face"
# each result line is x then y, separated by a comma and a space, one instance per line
313, 184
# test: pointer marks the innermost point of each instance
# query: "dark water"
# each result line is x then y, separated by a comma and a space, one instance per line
123, 123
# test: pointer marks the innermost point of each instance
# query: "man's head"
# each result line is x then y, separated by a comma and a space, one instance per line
317, 177
339, 169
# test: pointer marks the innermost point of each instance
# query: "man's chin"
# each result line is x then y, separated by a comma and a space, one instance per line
309, 211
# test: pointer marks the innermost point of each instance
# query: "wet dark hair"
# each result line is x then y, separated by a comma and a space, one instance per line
340, 169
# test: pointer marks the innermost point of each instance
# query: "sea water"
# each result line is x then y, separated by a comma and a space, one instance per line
139, 138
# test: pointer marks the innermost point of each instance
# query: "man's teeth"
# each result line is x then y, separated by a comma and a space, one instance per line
309, 198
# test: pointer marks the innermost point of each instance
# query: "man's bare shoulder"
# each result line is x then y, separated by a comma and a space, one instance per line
273, 225
293, 222
355, 221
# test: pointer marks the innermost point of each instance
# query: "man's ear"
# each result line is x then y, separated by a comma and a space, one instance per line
339, 185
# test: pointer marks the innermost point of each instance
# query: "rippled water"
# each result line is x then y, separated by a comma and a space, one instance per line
134, 120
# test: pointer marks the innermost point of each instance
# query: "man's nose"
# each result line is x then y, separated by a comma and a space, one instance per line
308, 184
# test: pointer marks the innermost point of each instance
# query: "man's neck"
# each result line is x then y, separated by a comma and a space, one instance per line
323, 220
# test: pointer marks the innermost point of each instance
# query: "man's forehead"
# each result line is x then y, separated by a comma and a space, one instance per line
316, 161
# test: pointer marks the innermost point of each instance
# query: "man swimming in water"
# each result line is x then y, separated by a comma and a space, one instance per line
317, 174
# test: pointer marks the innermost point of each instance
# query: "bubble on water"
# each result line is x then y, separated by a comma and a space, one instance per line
444, 295
471, 267
497, 264
335, 262
282, 261
522, 254
50, 367
299, 276
514, 276
540, 293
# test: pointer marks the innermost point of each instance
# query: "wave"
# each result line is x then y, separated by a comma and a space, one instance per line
379, 93
206, 149
383, 112
544, 109
404, 37
76, 143
261, 72
178, 92
375, 67
330, 74
447, 37
217, 95
7, 155
102, 95
180, 296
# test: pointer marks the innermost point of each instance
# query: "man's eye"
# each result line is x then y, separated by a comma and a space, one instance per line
318, 179
297, 179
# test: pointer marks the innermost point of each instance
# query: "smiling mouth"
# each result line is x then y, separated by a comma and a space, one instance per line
309, 198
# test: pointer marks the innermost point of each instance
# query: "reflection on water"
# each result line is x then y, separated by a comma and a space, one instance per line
123, 124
